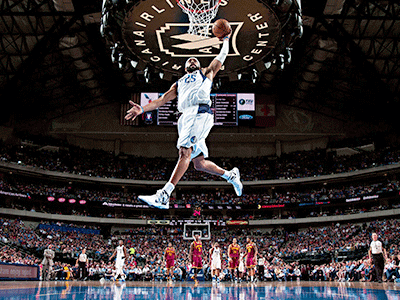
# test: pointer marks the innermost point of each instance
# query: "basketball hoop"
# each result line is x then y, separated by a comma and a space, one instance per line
190, 230
200, 14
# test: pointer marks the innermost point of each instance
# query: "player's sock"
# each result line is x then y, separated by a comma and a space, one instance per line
169, 188
251, 278
226, 175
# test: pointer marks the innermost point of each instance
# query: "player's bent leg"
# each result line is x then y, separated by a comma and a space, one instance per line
203, 165
233, 176
161, 198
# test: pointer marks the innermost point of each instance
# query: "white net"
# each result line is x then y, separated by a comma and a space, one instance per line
200, 13
200, 229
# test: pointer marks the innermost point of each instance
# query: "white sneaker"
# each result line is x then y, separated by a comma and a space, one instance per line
234, 179
160, 200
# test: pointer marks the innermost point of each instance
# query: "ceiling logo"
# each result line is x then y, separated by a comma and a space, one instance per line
187, 45
156, 32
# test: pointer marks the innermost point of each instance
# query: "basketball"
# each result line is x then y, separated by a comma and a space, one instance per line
221, 28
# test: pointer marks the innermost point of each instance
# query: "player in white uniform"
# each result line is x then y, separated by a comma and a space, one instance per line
241, 268
120, 254
215, 261
193, 92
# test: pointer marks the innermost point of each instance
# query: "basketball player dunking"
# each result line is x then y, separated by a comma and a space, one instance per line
195, 256
251, 258
193, 92
169, 257
234, 254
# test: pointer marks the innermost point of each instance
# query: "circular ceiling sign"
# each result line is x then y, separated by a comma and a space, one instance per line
156, 32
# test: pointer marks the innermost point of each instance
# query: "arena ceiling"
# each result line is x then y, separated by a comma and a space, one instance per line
54, 61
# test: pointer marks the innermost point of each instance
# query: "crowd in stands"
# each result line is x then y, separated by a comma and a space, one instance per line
13, 256
307, 254
204, 197
99, 163
286, 255
285, 196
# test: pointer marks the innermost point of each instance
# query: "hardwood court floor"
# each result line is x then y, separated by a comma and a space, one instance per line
305, 290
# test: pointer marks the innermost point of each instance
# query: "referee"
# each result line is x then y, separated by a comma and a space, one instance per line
377, 254
82, 263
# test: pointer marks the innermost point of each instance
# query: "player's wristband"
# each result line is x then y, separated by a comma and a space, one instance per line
224, 52
226, 37
142, 109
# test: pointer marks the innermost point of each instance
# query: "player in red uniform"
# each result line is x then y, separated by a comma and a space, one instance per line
251, 258
169, 258
234, 255
195, 256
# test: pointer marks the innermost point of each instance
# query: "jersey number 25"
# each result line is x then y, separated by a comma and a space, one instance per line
190, 78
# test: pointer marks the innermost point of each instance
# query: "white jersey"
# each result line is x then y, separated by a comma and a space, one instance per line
120, 253
216, 255
193, 89
216, 259
376, 247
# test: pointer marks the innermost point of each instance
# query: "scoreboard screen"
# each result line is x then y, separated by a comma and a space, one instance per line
224, 107
228, 109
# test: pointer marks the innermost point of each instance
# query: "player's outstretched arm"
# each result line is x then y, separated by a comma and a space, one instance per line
218, 61
137, 110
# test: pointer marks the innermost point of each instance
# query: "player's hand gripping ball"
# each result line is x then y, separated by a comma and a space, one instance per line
221, 28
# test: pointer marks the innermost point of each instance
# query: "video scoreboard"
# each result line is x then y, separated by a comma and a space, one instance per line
228, 109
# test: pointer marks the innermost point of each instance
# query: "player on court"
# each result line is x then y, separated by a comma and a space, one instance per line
241, 268
169, 257
120, 253
234, 255
215, 261
251, 258
193, 92
195, 256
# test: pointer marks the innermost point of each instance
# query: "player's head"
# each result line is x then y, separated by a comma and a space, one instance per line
249, 240
216, 244
234, 241
374, 236
170, 244
196, 237
120, 242
192, 64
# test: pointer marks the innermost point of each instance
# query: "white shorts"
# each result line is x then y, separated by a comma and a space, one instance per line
216, 264
193, 129
119, 263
